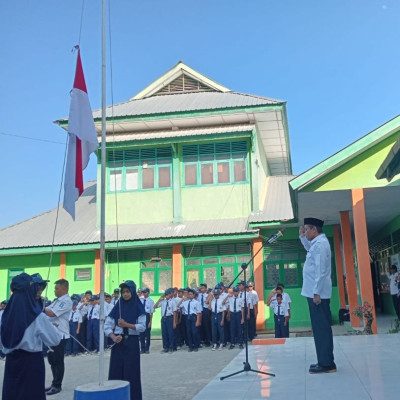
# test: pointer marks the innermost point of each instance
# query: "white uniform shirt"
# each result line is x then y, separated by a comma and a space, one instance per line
149, 304
111, 327
282, 309
231, 303
285, 299
75, 316
114, 300
40, 331
204, 297
195, 307
255, 294
220, 307
394, 289
317, 268
168, 307
61, 307
107, 308
251, 300
94, 312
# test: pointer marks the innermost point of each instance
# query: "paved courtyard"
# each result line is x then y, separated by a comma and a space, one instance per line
368, 368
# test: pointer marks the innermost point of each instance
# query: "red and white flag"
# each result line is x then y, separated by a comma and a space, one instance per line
82, 140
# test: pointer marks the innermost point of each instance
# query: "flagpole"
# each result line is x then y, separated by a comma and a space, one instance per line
102, 196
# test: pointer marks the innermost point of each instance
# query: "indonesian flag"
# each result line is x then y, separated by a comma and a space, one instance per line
82, 140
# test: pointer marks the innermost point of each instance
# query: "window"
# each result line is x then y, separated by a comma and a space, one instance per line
83, 274
214, 263
284, 262
215, 163
139, 169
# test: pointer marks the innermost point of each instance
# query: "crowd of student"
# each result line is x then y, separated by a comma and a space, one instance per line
202, 316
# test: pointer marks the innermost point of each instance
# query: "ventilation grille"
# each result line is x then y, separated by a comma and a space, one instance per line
185, 84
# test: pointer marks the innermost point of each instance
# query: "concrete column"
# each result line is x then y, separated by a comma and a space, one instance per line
258, 263
177, 265
362, 250
349, 265
62, 266
339, 266
97, 272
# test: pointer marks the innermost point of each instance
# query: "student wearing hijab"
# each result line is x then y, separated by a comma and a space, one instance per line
123, 325
24, 329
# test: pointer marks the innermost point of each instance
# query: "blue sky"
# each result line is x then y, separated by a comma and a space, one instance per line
335, 62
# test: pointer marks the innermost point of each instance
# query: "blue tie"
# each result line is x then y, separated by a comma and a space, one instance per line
234, 305
166, 308
189, 307
216, 301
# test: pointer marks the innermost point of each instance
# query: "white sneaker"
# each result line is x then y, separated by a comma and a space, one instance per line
214, 347
220, 347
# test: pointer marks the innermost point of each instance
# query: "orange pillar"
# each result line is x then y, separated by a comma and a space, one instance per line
258, 264
62, 266
177, 265
362, 249
349, 265
97, 272
339, 266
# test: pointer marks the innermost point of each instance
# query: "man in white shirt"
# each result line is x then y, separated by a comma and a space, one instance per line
58, 312
394, 278
317, 287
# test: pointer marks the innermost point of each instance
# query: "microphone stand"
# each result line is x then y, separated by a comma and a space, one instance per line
246, 364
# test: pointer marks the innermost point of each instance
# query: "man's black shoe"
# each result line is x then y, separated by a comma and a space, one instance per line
318, 369
53, 390
48, 388
313, 365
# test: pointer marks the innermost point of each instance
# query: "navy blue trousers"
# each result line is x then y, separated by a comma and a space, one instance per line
236, 328
206, 326
281, 331
72, 346
251, 325
192, 331
56, 361
321, 325
167, 330
125, 365
217, 329
24, 376
92, 334
145, 336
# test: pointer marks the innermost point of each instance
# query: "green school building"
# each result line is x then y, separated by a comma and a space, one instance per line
197, 177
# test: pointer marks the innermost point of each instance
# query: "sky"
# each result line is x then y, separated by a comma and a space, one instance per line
335, 62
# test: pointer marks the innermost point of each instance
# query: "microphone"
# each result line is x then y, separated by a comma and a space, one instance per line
274, 238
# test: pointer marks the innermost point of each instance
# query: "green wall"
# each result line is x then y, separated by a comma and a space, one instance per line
140, 207
359, 172
300, 316
30, 264
216, 202
79, 260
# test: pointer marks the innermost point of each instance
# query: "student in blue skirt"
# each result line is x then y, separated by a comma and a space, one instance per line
123, 325
23, 330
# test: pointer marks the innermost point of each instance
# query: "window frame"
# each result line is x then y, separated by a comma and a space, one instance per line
214, 159
121, 163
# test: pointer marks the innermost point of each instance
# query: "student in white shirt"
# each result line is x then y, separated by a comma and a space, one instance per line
148, 305
281, 317
394, 278
218, 310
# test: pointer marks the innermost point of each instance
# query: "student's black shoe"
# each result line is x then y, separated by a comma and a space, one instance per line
240, 346
53, 390
232, 346
318, 369
48, 388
